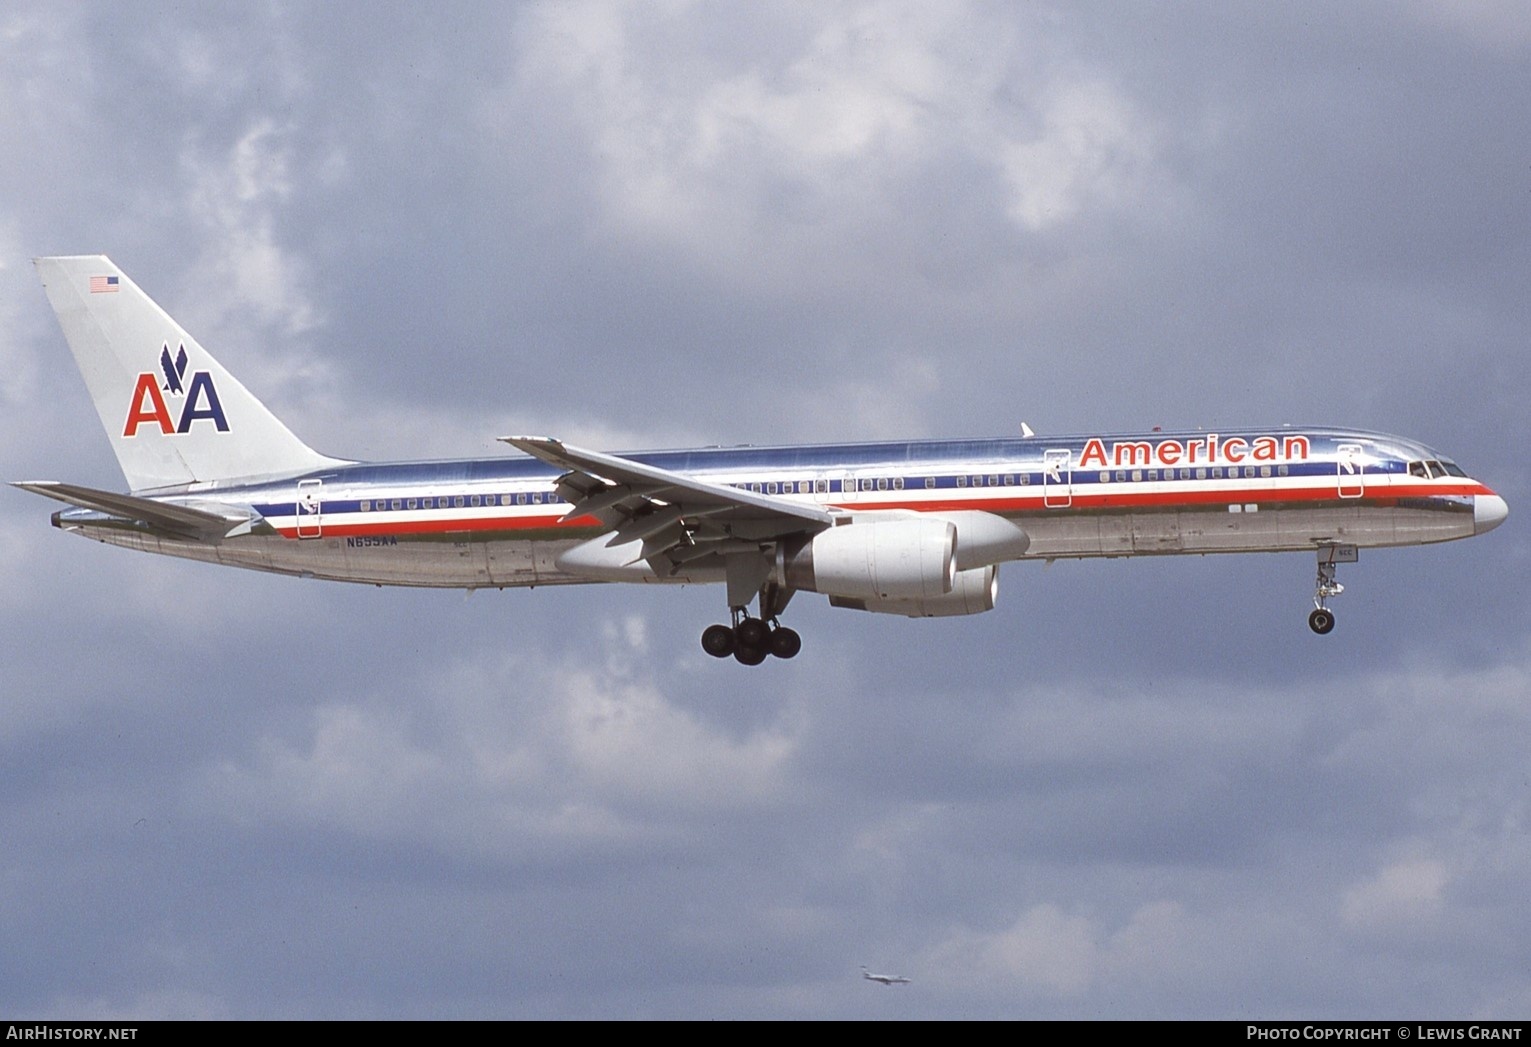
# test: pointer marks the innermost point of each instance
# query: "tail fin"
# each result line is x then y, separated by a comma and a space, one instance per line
173, 414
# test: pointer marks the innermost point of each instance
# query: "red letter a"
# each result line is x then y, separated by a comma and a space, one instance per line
141, 412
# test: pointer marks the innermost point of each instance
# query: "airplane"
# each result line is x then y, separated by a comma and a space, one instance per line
883, 979
916, 528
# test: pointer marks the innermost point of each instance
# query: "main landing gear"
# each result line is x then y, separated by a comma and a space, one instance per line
1321, 621
750, 640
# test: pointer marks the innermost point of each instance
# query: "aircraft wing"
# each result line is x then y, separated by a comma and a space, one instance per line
170, 518
668, 520
617, 475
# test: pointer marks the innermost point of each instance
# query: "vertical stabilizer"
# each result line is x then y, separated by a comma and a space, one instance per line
173, 414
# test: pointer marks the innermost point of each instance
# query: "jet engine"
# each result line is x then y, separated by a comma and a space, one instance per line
924, 566
904, 558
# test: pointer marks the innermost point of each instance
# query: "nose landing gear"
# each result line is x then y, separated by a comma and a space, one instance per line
1321, 620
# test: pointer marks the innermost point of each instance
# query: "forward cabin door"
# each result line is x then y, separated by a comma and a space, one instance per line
1352, 480
1057, 478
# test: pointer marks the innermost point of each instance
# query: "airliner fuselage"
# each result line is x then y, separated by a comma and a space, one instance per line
498, 522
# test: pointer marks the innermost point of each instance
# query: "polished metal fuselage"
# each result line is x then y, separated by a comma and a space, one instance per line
499, 523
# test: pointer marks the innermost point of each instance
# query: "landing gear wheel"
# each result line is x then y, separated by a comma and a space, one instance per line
785, 643
752, 632
718, 641
746, 655
1321, 621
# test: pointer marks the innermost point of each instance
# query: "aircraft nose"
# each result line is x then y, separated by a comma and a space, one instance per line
1489, 511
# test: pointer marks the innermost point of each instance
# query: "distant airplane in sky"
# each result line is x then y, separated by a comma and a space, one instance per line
909, 528
885, 979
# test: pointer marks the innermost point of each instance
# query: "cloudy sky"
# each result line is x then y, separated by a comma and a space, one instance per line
1135, 789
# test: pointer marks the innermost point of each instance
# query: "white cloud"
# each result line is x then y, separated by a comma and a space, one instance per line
1046, 950
1094, 151
1497, 25
1401, 892
1051, 952
809, 144
511, 755
236, 195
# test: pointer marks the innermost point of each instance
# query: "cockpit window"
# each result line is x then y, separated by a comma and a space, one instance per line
1433, 469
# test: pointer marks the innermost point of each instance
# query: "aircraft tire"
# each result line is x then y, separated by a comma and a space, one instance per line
785, 643
746, 655
752, 632
1321, 621
718, 641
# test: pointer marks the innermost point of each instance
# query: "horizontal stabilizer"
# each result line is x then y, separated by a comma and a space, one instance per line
182, 521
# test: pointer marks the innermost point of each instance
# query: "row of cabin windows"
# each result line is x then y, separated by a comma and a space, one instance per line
1138, 475
788, 487
460, 501
881, 483
896, 483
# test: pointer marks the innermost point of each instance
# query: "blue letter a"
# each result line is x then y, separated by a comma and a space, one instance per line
201, 388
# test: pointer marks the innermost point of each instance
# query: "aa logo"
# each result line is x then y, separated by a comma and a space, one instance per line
199, 398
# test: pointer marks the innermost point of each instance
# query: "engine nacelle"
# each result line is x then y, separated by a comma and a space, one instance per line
904, 558
974, 592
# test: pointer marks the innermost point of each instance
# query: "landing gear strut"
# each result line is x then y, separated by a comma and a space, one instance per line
751, 640
1321, 621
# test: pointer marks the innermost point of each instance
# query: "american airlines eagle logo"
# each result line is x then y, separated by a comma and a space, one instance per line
174, 370
199, 398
